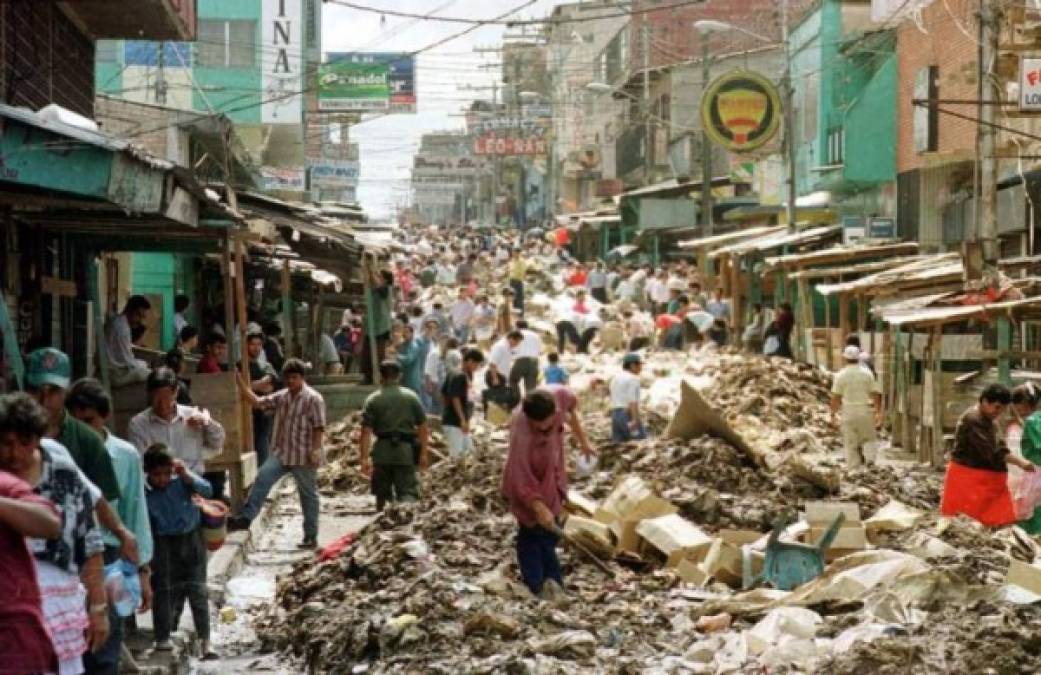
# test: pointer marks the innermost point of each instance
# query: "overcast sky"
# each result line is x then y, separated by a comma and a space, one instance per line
388, 143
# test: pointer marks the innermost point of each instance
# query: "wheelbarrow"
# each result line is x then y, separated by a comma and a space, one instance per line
790, 565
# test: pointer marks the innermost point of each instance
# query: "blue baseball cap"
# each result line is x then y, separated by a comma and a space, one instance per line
48, 366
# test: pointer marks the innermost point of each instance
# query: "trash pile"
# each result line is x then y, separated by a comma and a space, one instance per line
683, 525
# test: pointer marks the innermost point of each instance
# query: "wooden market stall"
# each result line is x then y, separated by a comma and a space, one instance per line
816, 343
740, 267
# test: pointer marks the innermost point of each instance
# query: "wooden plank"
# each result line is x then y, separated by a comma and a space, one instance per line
218, 394
246, 412
55, 286
994, 354
937, 458
287, 310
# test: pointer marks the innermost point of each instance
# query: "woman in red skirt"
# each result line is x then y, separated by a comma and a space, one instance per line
977, 475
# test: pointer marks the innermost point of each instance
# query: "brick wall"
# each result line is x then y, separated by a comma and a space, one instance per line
674, 39
943, 44
129, 119
44, 58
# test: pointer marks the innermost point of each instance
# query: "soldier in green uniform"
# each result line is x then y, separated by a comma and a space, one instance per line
395, 416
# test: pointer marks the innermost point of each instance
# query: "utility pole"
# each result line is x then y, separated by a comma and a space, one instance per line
648, 139
789, 119
160, 75
987, 196
707, 217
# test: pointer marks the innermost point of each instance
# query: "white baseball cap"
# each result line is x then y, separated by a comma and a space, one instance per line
851, 353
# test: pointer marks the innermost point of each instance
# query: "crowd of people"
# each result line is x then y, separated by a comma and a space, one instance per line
98, 529
484, 317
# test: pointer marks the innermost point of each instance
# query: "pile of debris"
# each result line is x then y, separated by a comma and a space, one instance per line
682, 524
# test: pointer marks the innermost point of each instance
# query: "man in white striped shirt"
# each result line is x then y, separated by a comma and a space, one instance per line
296, 448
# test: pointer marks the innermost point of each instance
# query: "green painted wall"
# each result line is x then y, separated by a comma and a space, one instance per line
153, 273
871, 128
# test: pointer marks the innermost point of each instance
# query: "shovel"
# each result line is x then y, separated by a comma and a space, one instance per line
557, 530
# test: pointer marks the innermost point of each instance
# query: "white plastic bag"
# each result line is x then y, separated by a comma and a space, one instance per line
1028, 494
771, 345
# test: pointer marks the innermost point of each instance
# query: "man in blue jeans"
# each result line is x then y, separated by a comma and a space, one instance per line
626, 424
296, 447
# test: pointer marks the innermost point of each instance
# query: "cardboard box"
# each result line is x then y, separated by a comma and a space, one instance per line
674, 538
579, 504
723, 562
825, 511
690, 572
741, 537
631, 501
595, 536
1025, 576
847, 538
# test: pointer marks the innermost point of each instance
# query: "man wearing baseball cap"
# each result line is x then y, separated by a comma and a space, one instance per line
856, 393
47, 375
626, 424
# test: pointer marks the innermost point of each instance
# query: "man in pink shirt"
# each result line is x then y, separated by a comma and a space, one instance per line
24, 643
535, 479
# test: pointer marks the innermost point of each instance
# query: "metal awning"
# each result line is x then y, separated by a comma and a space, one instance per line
772, 241
673, 187
730, 237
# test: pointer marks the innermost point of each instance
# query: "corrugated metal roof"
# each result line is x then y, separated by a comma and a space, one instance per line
841, 254
941, 315
933, 267
772, 241
731, 237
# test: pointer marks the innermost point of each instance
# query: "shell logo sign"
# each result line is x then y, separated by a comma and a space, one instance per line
741, 111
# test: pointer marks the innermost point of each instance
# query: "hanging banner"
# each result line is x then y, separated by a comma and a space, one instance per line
283, 178
382, 81
741, 111
282, 62
426, 164
333, 173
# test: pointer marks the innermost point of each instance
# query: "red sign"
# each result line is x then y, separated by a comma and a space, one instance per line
500, 145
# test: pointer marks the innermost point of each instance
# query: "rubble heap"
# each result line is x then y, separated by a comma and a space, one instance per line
433, 587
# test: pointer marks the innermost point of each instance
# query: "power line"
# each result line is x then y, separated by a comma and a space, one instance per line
513, 22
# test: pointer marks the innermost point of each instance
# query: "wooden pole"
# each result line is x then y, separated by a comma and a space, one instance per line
240, 310
288, 332
370, 316
938, 406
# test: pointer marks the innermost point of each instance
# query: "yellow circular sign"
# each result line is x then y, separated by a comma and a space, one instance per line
741, 110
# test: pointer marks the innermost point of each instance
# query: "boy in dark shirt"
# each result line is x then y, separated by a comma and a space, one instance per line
179, 559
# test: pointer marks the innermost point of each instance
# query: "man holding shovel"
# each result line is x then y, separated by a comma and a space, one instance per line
535, 481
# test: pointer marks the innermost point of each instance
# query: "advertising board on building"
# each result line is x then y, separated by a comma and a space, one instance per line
741, 111
363, 81
1030, 84
282, 62
492, 144
333, 173
427, 164
283, 178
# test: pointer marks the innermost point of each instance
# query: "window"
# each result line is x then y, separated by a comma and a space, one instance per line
836, 145
226, 44
242, 44
106, 51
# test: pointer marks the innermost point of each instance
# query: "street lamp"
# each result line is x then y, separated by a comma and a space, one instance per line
706, 26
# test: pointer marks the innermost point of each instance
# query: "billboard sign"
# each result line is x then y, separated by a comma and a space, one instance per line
1030, 84
292, 179
491, 144
426, 164
364, 81
741, 111
333, 173
282, 62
